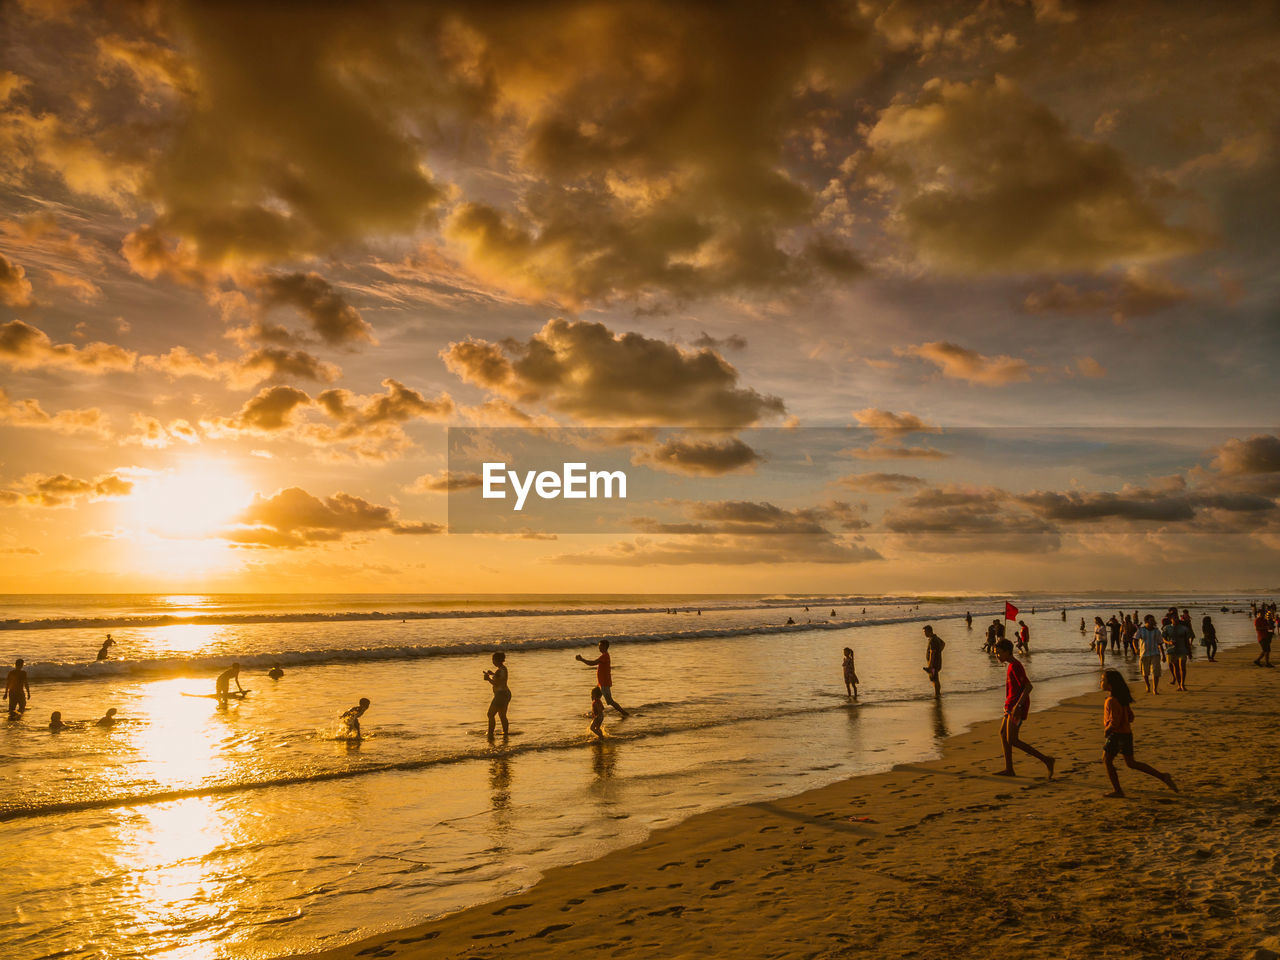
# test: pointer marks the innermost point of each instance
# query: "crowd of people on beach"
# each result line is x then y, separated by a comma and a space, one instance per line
1171, 643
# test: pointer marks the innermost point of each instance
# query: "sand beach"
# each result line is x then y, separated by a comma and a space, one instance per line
943, 859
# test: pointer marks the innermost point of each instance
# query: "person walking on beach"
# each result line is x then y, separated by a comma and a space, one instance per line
1128, 635
1209, 637
850, 674
989, 644
1064, 614
224, 683
497, 678
1099, 645
351, 718
1149, 649
1017, 706
1261, 625
1117, 720
604, 676
933, 658
597, 712
1024, 637
968, 620
17, 690
1177, 640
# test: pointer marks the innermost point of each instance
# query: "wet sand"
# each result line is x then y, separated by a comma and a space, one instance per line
950, 861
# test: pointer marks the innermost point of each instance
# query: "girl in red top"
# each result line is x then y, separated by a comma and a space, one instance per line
1117, 720
1017, 704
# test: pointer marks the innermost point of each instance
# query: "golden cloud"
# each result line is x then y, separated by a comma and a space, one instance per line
961, 363
294, 518
983, 179
24, 347
586, 371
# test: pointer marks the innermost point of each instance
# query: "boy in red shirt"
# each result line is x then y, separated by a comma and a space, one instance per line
1017, 704
604, 676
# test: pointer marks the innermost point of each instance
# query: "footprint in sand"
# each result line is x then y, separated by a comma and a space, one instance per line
721, 883
491, 934
701, 863
610, 888
426, 936
515, 906
547, 931
673, 863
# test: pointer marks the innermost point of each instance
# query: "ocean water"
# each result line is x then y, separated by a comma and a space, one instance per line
256, 830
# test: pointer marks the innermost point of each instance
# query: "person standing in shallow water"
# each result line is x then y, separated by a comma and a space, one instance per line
933, 658
1017, 706
17, 690
497, 679
850, 674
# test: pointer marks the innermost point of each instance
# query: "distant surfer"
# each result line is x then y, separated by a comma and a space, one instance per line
501, 692
790, 622
833, 613
224, 683
275, 673
17, 690
107, 721
107, 644
604, 676
352, 718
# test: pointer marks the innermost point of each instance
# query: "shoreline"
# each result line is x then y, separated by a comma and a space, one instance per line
992, 864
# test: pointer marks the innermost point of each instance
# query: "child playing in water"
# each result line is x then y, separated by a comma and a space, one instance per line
1117, 717
352, 718
597, 711
850, 675
55, 722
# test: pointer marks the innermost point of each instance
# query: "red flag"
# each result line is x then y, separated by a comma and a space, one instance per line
1010, 611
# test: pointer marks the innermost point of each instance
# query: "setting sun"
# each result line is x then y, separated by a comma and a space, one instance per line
191, 502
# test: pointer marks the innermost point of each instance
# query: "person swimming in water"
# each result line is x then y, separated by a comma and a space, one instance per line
275, 673
108, 721
55, 722
352, 718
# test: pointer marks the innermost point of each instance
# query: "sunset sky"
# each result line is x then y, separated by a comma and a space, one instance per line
256, 259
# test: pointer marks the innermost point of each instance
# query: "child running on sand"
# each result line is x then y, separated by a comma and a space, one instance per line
850, 675
597, 712
1117, 717
1017, 705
